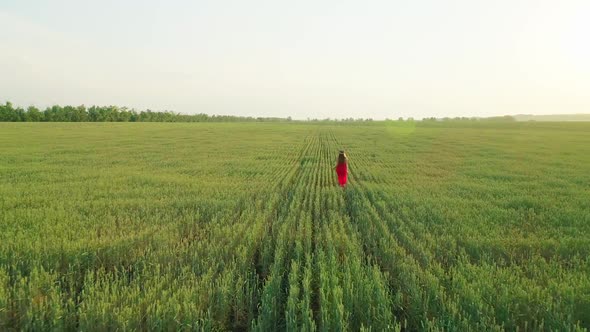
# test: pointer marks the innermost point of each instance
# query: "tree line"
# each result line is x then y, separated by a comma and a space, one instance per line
57, 113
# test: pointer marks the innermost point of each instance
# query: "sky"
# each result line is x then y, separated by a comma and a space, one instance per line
304, 59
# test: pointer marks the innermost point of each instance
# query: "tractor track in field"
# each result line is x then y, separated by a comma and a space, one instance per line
295, 201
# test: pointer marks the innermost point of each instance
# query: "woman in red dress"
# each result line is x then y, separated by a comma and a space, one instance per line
342, 168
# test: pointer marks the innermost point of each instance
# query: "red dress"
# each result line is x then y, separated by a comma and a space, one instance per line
342, 171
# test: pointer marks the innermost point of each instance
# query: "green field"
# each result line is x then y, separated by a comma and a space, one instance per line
241, 226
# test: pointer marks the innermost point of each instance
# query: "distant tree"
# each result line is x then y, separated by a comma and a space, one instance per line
55, 113
124, 115
8, 113
93, 114
75, 114
112, 113
103, 114
21, 114
33, 114
80, 113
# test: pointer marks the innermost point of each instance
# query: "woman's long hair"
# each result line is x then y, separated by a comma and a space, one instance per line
342, 158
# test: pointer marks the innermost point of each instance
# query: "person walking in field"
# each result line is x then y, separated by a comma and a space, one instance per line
342, 168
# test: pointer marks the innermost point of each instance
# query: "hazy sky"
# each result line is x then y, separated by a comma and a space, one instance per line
300, 58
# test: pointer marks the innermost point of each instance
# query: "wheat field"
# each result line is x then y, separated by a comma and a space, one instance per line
242, 226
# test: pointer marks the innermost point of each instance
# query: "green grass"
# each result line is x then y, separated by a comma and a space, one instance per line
241, 226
